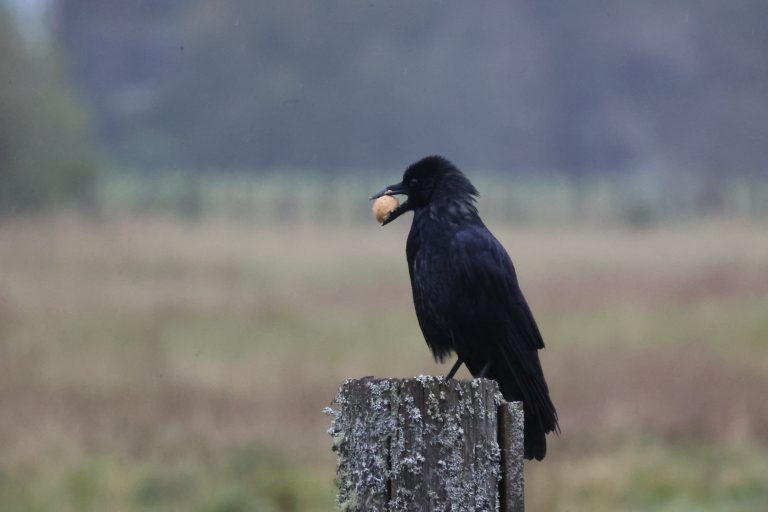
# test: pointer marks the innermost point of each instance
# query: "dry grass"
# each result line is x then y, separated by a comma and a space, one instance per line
137, 344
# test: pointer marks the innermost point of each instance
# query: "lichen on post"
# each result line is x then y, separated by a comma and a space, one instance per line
417, 444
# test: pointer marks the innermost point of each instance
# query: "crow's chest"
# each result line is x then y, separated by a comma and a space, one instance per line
433, 278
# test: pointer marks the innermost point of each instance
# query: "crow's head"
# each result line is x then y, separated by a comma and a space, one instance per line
431, 180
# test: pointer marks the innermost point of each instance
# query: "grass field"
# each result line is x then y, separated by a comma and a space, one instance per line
151, 364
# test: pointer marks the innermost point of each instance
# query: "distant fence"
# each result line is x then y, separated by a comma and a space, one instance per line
426, 444
298, 196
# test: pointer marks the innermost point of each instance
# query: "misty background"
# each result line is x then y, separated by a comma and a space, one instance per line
588, 87
673, 92
189, 267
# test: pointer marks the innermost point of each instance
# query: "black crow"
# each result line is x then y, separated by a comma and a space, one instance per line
466, 293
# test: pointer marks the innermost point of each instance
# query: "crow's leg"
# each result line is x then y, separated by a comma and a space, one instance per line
455, 368
484, 371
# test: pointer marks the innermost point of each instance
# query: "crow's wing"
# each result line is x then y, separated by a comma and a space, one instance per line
488, 285
497, 320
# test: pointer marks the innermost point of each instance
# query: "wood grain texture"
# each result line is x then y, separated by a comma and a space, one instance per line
421, 444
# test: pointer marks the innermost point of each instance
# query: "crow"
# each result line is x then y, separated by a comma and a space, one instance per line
466, 294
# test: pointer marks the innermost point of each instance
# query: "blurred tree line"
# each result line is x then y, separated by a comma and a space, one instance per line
566, 86
45, 158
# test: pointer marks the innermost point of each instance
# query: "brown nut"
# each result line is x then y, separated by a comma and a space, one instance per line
383, 206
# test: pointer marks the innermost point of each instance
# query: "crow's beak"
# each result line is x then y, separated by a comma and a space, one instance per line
393, 190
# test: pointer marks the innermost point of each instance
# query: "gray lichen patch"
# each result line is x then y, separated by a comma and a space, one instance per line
417, 444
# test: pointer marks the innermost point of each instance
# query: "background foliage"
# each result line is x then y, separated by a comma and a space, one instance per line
45, 157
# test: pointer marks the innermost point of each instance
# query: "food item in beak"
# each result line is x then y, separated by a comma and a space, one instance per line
383, 206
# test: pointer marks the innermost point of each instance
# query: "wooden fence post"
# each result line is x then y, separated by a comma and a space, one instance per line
425, 444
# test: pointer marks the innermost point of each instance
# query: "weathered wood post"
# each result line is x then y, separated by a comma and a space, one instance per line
426, 444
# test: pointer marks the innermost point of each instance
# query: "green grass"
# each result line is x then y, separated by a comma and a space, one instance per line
646, 474
152, 364
249, 478
733, 329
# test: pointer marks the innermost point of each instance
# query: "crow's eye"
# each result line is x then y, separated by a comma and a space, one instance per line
413, 182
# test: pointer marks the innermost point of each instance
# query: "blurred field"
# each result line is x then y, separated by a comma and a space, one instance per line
152, 364
642, 198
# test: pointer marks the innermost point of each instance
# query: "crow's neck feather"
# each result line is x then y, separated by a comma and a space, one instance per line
454, 199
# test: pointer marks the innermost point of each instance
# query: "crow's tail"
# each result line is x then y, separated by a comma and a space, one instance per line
540, 414
518, 385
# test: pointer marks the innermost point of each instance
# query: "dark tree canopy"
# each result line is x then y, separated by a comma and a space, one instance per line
45, 159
